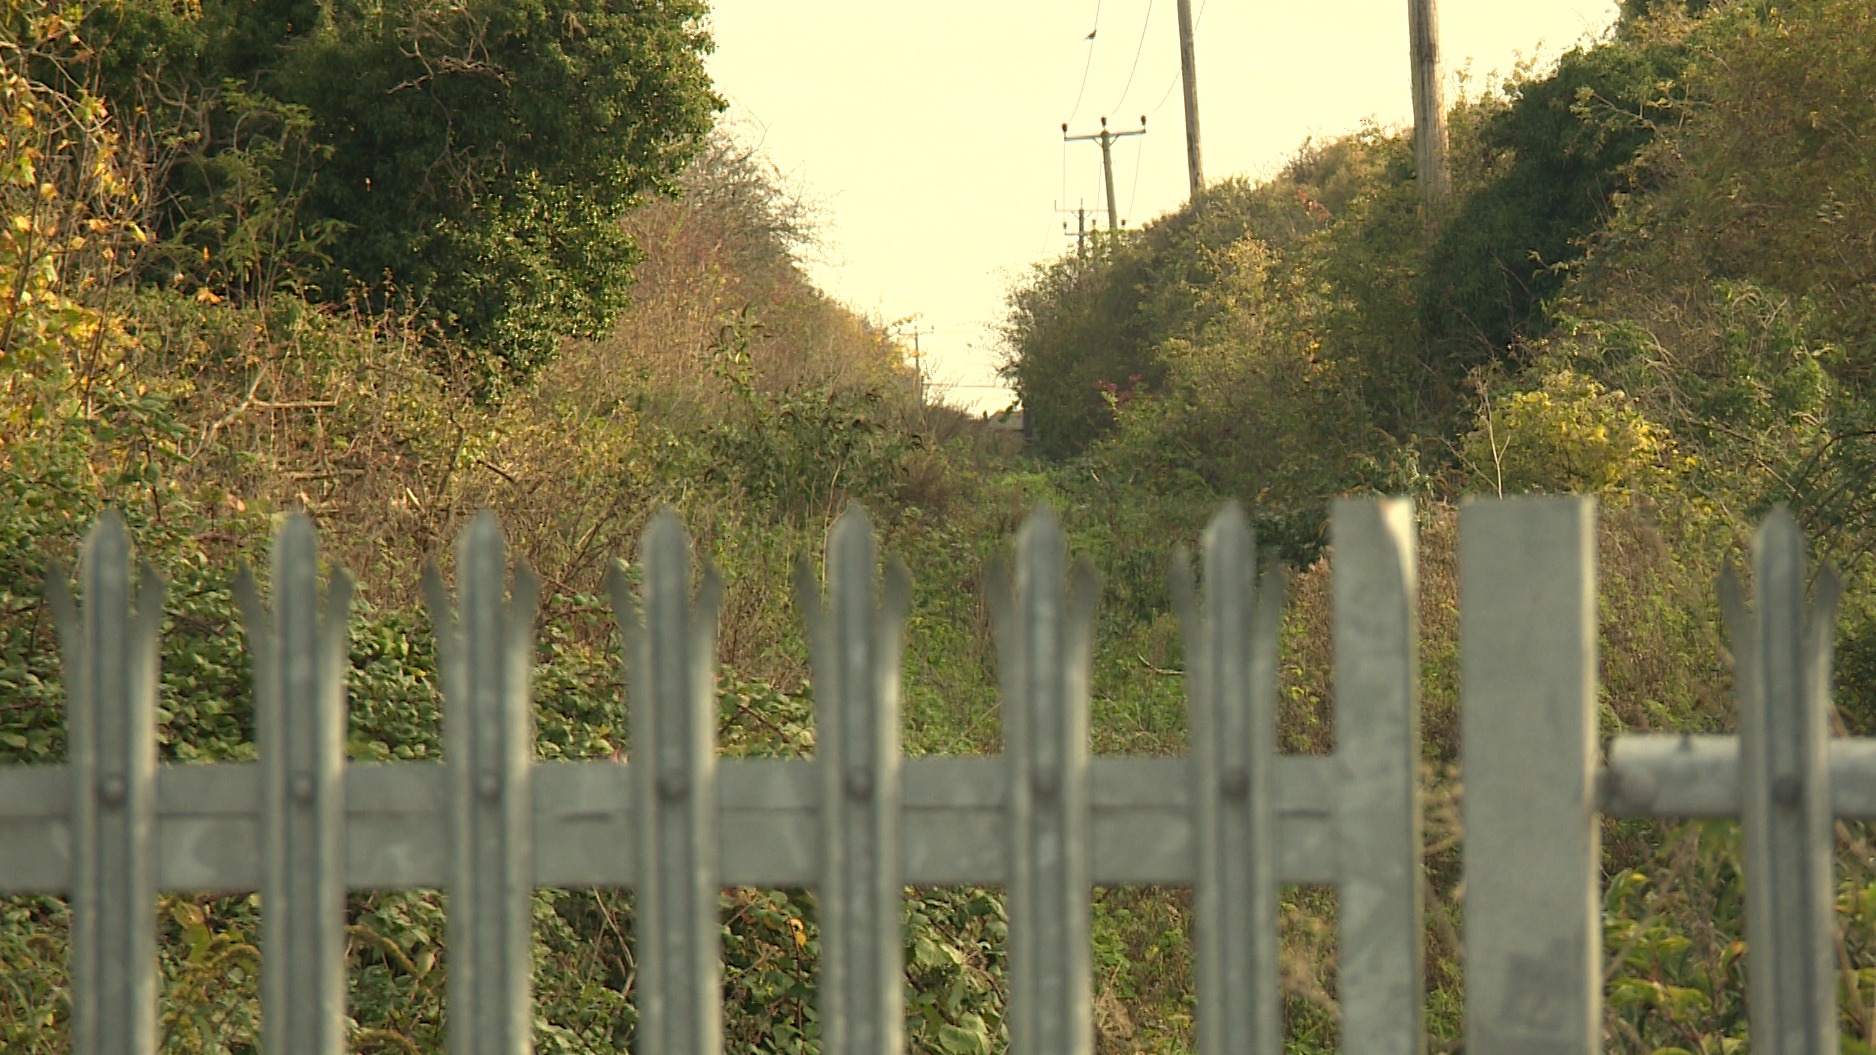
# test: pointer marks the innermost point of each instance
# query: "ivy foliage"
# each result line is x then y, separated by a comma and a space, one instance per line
1561, 149
472, 161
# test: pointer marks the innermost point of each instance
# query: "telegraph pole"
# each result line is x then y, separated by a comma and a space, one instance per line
1081, 227
896, 331
1423, 30
1188, 73
918, 362
1106, 139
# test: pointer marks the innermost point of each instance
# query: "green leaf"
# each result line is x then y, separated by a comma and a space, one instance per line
926, 953
969, 1037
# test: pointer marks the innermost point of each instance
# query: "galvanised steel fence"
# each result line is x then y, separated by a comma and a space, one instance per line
1235, 819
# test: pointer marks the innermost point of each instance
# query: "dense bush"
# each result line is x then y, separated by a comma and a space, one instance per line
1551, 160
472, 161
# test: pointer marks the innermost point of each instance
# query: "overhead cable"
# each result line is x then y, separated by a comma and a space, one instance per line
1087, 65
1174, 84
1145, 24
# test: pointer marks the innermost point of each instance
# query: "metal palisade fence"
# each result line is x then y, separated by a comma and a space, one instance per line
1235, 820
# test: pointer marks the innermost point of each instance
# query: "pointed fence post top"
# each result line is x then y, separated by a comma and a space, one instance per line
483, 533
854, 528
1781, 563
107, 542
482, 563
295, 539
664, 539
1043, 519
1779, 524
293, 573
1778, 557
853, 563
1041, 544
1041, 555
1230, 527
104, 558
482, 560
855, 598
1231, 564
119, 598
293, 565
664, 558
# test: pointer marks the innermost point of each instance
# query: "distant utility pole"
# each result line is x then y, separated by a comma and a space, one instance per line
1188, 72
1081, 227
918, 362
1423, 29
1106, 139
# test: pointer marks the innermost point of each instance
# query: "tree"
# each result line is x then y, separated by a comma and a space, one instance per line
1562, 150
472, 160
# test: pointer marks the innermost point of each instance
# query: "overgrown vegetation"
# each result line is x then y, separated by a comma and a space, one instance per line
1652, 284
183, 340
224, 296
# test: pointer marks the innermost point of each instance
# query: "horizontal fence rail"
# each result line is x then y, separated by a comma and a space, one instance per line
1236, 820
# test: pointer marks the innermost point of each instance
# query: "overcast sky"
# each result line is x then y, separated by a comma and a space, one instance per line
929, 134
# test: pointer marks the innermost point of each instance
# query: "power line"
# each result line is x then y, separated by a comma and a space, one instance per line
1145, 24
1087, 65
1158, 106
1174, 83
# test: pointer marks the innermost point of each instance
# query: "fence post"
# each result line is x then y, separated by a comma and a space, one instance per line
857, 643
300, 659
1377, 734
1045, 629
485, 657
110, 655
1782, 670
1533, 920
670, 655
1231, 679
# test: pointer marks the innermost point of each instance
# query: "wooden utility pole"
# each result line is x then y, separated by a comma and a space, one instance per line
1188, 73
1423, 29
918, 354
1106, 139
1081, 227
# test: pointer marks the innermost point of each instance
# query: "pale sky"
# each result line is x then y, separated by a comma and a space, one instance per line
929, 134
